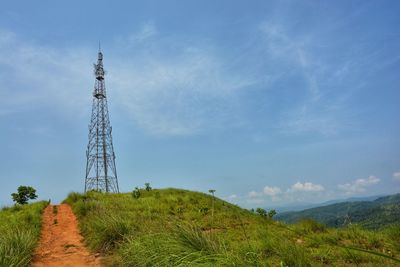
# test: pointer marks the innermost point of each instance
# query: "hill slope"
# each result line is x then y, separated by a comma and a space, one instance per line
172, 227
369, 214
19, 232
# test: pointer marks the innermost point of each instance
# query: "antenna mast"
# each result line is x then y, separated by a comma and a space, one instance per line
101, 173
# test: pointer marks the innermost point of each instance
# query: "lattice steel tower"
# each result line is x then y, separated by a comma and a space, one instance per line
101, 173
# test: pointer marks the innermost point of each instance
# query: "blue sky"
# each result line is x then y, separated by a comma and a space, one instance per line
268, 102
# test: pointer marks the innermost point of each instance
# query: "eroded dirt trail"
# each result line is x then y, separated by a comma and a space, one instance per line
60, 243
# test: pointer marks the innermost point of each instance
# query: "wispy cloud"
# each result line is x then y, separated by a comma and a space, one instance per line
308, 119
179, 98
313, 76
34, 76
396, 176
359, 185
147, 31
254, 194
306, 187
293, 52
186, 92
176, 85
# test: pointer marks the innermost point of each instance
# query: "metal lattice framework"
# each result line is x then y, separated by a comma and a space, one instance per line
101, 173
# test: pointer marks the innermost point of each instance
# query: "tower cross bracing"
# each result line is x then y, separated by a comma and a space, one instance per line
101, 172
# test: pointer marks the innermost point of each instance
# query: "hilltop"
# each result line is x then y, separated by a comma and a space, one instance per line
375, 214
174, 227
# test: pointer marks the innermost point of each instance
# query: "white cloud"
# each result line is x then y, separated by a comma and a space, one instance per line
272, 191
396, 176
306, 187
276, 194
359, 185
254, 194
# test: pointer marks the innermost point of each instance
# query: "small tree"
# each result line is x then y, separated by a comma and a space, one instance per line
262, 212
271, 213
147, 186
136, 192
24, 194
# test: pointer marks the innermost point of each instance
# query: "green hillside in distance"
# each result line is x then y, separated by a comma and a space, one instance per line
375, 214
174, 227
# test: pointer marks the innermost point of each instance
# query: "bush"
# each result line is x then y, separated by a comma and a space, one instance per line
271, 213
136, 193
147, 186
262, 212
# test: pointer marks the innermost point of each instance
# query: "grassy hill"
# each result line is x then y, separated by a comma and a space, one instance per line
368, 214
172, 227
19, 233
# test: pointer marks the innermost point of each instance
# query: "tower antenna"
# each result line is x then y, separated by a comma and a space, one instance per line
101, 172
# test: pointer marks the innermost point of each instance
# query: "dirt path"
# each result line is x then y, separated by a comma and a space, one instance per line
60, 244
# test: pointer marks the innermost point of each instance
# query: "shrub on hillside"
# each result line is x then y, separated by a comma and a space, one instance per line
262, 212
136, 193
147, 186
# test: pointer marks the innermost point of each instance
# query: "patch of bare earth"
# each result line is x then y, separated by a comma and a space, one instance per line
61, 243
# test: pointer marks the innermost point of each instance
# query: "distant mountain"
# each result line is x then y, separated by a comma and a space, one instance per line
351, 199
292, 207
305, 205
372, 214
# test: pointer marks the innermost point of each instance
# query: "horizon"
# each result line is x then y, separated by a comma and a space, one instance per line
268, 103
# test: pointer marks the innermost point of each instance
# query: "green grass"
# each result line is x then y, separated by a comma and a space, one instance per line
19, 232
172, 227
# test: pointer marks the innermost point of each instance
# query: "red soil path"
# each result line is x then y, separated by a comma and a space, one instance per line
61, 244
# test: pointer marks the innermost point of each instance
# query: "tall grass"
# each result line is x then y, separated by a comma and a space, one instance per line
173, 227
188, 245
19, 232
